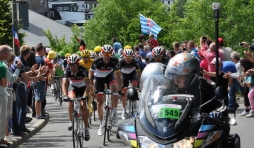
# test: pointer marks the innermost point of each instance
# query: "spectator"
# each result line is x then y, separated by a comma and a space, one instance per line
4, 55
20, 105
138, 56
209, 56
191, 48
225, 67
176, 47
40, 86
81, 43
152, 42
170, 54
226, 52
148, 51
142, 39
184, 46
203, 65
116, 45
11, 78
248, 80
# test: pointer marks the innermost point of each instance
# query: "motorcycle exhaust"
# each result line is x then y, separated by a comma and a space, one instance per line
124, 138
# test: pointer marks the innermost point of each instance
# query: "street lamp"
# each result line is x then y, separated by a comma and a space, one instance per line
216, 8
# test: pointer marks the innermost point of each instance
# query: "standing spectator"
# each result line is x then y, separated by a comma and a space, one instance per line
148, 51
226, 53
116, 45
40, 86
20, 105
142, 39
210, 55
11, 78
191, 48
152, 42
138, 56
81, 43
4, 55
176, 47
170, 54
203, 65
248, 80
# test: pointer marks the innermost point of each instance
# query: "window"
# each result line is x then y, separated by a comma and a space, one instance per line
59, 8
86, 6
51, 14
94, 5
66, 8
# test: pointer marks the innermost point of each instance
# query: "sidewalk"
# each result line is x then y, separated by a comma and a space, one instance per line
34, 126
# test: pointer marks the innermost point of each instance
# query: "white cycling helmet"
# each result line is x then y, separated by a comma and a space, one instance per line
100, 54
158, 51
113, 54
93, 55
73, 59
107, 48
128, 53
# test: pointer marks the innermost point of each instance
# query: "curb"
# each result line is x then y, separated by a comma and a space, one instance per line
36, 127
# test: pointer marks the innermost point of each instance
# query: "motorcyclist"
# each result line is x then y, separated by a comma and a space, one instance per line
184, 64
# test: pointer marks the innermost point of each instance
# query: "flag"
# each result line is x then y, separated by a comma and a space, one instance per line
148, 26
15, 35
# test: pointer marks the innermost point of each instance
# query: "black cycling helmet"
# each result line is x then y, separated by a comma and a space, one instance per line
132, 94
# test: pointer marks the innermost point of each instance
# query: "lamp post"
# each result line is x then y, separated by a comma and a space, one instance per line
216, 8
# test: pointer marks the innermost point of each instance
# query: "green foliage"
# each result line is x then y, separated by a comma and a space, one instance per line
6, 24
120, 19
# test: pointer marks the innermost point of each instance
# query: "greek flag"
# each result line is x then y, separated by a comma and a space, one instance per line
148, 26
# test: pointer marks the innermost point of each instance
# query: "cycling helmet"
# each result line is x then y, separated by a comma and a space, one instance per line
107, 48
152, 69
93, 54
57, 56
73, 59
128, 53
78, 53
67, 55
85, 53
97, 49
127, 47
61, 53
158, 51
51, 55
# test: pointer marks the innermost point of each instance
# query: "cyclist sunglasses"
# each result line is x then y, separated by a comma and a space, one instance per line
107, 54
73, 65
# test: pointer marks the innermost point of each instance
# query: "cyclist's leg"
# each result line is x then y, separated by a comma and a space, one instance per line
134, 83
71, 94
99, 86
125, 82
114, 99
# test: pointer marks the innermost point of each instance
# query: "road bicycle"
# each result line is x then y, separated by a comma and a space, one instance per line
77, 122
57, 91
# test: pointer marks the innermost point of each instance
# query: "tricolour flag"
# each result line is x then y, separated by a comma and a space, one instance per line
148, 26
15, 36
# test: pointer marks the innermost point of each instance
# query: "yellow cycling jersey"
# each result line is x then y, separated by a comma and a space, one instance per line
86, 65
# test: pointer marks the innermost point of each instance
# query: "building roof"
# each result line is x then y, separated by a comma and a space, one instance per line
39, 23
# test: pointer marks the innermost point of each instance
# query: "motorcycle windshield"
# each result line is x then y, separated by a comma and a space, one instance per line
166, 103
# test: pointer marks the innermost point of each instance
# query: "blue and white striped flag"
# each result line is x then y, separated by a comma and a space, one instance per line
148, 26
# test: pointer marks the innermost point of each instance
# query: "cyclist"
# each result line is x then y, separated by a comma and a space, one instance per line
79, 86
130, 72
65, 63
158, 56
103, 70
87, 63
93, 54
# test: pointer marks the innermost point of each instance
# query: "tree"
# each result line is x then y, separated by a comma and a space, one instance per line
6, 24
120, 19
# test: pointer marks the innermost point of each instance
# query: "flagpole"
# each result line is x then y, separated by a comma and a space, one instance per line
15, 23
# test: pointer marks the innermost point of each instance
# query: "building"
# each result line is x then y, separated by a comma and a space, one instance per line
167, 2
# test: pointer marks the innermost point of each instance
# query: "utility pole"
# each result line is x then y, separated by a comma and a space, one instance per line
15, 24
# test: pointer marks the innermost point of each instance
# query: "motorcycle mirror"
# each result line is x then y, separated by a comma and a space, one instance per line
221, 92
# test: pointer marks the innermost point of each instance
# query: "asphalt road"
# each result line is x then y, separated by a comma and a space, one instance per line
55, 133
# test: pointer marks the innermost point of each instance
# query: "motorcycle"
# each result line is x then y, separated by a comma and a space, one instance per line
171, 117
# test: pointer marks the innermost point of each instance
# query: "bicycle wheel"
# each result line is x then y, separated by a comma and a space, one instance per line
106, 125
75, 136
80, 129
55, 90
109, 126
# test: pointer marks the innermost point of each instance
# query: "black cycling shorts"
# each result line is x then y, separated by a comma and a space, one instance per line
99, 82
129, 77
79, 91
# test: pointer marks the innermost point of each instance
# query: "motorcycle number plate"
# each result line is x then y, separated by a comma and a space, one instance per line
172, 113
